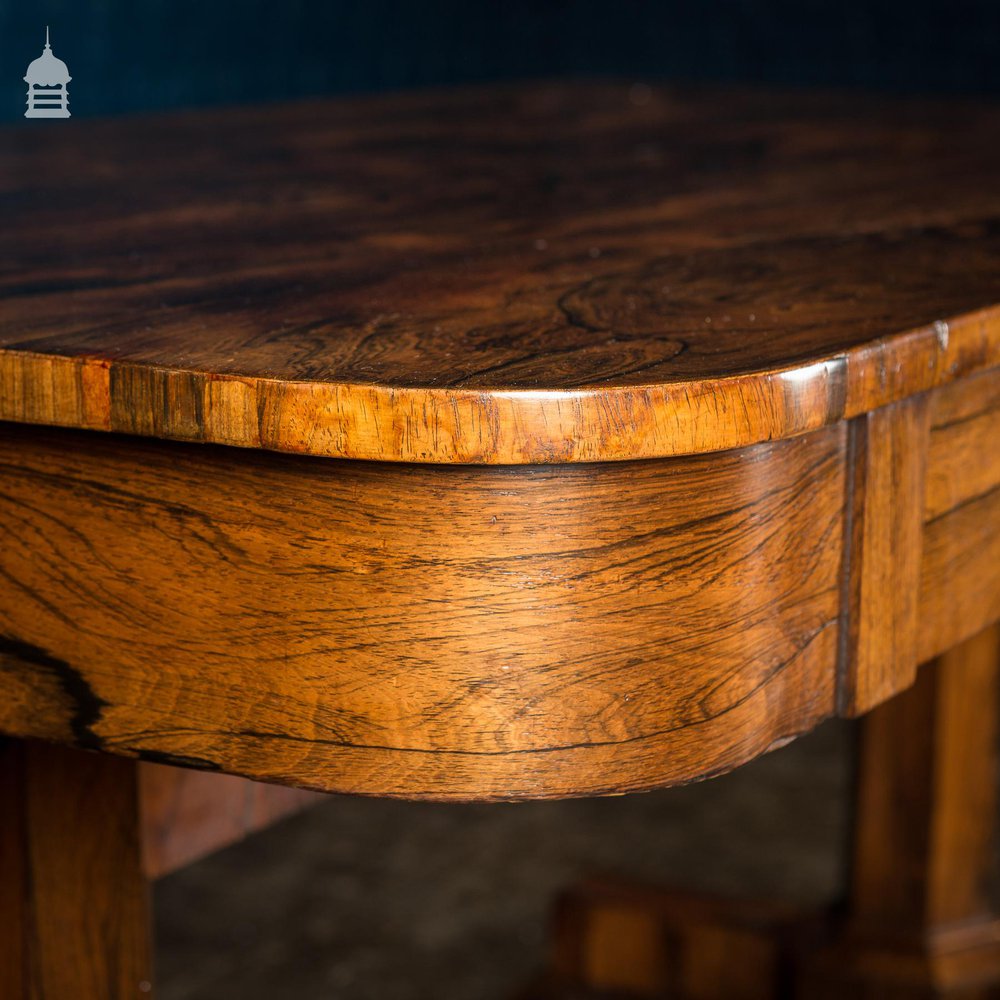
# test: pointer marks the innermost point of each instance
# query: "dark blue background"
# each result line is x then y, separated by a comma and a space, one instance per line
130, 55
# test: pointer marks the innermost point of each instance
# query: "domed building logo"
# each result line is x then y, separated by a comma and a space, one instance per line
47, 80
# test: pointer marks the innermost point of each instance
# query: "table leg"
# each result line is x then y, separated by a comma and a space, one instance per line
918, 924
921, 922
74, 918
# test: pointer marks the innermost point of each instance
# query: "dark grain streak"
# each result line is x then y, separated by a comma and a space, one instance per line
87, 706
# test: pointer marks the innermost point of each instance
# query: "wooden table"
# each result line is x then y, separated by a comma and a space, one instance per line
501, 443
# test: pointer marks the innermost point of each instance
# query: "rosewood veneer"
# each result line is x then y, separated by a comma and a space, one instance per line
505, 443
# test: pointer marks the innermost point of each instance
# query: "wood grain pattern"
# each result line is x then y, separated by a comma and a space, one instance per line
960, 566
187, 814
541, 274
963, 461
74, 918
887, 474
553, 282
509, 632
426, 631
960, 575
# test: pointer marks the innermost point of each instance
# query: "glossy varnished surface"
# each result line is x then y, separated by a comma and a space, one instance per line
960, 564
429, 631
477, 632
533, 274
527, 275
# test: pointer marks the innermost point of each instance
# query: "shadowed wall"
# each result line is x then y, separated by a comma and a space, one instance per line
126, 56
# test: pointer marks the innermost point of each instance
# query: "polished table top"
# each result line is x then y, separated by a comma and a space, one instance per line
731, 359
517, 274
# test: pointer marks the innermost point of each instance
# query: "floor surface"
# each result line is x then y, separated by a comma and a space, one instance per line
366, 899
